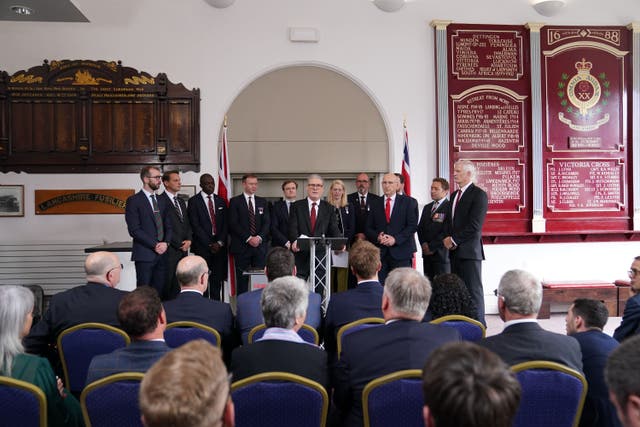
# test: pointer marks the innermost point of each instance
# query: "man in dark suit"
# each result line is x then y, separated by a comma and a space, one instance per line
311, 217
280, 215
249, 225
363, 301
190, 305
148, 223
435, 257
585, 320
519, 298
623, 379
391, 225
284, 307
97, 301
463, 230
142, 317
208, 217
361, 201
181, 231
630, 324
404, 342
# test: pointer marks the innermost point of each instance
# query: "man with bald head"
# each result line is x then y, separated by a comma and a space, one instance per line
190, 305
97, 301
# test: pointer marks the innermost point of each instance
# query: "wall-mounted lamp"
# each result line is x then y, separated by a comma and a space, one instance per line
548, 7
389, 5
220, 4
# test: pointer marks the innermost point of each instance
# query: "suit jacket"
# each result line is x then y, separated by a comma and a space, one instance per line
361, 214
93, 302
524, 342
598, 410
347, 215
365, 300
180, 225
249, 312
142, 226
301, 359
239, 222
402, 226
198, 212
279, 223
300, 220
431, 231
138, 356
630, 324
372, 353
466, 227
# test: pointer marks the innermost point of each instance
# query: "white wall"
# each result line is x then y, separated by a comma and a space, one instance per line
222, 51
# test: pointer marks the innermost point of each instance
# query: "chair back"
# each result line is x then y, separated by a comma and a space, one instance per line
21, 404
357, 325
395, 399
552, 394
79, 344
178, 333
306, 332
470, 329
279, 399
112, 401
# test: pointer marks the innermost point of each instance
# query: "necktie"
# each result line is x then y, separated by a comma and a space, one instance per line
455, 207
313, 217
434, 208
157, 218
363, 204
252, 218
177, 205
212, 214
288, 206
339, 220
387, 210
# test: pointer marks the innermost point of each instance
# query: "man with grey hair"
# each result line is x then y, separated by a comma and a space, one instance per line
284, 307
519, 297
403, 342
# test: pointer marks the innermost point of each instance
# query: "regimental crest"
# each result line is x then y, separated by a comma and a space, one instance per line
583, 97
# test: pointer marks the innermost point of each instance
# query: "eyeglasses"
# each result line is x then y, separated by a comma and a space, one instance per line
315, 185
495, 292
362, 181
119, 266
155, 177
633, 273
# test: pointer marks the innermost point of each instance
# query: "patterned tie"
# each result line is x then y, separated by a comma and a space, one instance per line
363, 204
157, 218
212, 214
339, 220
288, 206
455, 207
252, 218
434, 208
387, 210
177, 205
313, 218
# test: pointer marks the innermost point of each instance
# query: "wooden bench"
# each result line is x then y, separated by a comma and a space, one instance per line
624, 293
567, 291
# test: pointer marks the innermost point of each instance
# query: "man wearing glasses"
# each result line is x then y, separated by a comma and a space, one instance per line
361, 200
148, 223
631, 317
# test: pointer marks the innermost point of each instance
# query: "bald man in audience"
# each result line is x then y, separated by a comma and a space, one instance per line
97, 301
188, 387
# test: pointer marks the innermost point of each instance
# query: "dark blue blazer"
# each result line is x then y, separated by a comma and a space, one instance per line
180, 226
361, 214
372, 353
431, 230
239, 222
249, 312
466, 227
142, 226
348, 219
201, 224
402, 226
365, 300
279, 223
138, 356
598, 410
630, 320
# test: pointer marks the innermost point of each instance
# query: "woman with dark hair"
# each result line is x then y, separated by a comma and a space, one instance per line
449, 295
16, 307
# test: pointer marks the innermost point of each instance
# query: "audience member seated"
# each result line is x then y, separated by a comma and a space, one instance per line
16, 307
467, 385
585, 320
630, 324
142, 317
190, 305
623, 379
363, 301
97, 301
404, 342
280, 262
188, 387
519, 298
450, 296
284, 305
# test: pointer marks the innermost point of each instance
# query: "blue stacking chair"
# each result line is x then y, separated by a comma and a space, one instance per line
112, 401
178, 333
21, 404
306, 332
355, 326
279, 399
470, 329
395, 399
552, 394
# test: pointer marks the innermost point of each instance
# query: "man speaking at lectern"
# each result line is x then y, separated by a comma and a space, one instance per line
311, 217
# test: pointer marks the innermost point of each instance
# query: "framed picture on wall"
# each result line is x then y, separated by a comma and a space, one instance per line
11, 200
187, 191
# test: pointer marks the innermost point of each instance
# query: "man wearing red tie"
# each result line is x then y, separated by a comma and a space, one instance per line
391, 225
463, 230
